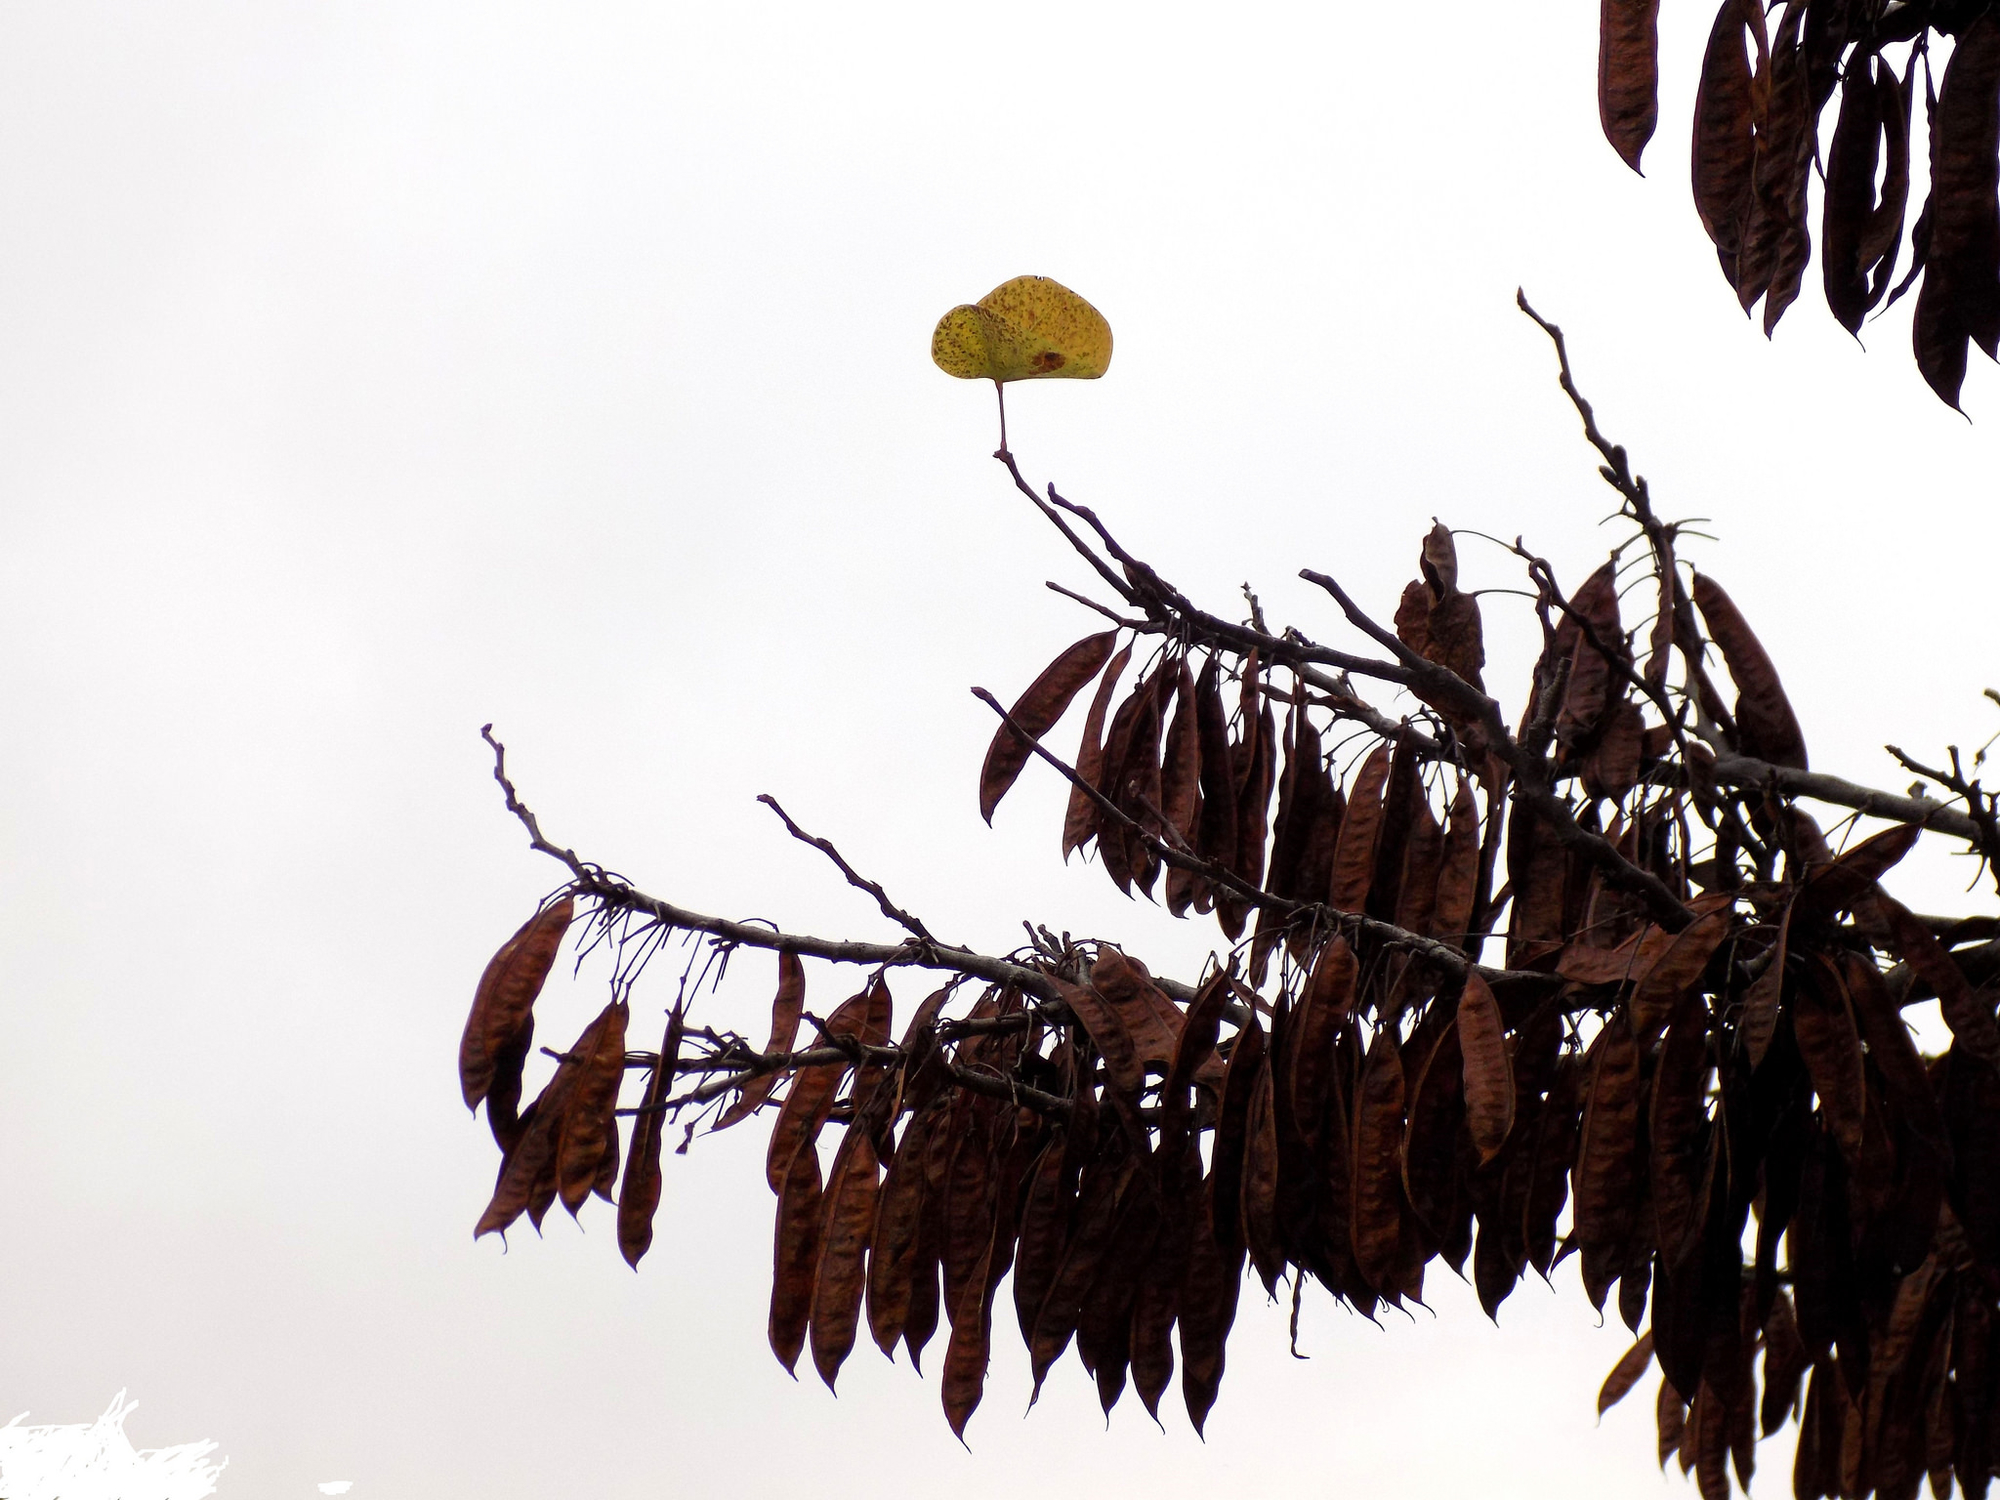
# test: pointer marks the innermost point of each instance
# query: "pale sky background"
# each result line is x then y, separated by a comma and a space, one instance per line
371, 371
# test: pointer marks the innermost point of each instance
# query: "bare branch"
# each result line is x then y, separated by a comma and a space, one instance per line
520, 810
1760, 775
859, 881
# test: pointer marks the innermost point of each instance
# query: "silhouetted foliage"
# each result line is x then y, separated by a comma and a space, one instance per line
1763, 94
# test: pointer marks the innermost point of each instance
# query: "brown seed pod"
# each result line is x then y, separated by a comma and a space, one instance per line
503, 1007
1036, 712
639, 1197
786, 1008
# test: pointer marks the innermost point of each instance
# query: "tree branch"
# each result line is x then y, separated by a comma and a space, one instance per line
859, 881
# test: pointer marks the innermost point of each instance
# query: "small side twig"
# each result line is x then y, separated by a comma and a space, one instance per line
520, 810
855, 878
1980, 804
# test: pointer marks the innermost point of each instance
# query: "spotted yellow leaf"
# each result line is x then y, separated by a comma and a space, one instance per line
1030, 328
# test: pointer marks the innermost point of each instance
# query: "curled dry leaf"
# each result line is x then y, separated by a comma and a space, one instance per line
1037, 710
1030, 328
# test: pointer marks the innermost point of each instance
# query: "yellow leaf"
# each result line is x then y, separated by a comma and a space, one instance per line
1030, 328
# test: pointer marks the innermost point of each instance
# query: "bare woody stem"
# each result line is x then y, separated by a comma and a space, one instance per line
890, 910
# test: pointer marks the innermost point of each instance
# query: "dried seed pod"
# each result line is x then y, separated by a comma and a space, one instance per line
1489, 1075
587, 1122
639, 1197
786, 1008
1036, 712
503, 1007
1628, 74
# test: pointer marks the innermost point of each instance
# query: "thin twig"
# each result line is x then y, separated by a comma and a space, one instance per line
520, 809
1088, 603
855, 878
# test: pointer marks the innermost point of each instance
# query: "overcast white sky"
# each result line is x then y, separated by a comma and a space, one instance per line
372, 371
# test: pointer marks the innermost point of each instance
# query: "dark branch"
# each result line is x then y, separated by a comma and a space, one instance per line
520, 810
859, 881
